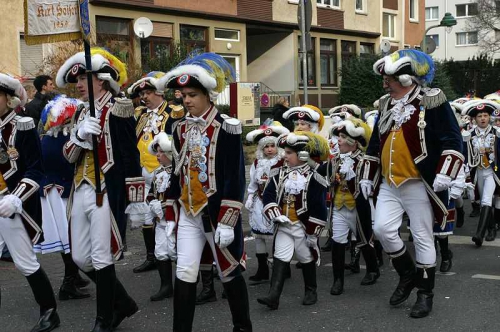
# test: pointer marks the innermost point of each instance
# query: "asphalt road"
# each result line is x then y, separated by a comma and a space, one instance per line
465, 300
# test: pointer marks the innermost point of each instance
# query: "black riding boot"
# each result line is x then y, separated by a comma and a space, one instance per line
372, 270
406, 269
184, 305
44, 296
484, 220
446, 254
124, 307
71, 269
476, 210
166, 288
338, 262
492, 229
105, 293
272, 300
310, 285
263, 270
207, 293
425, 285
329, 242
355, 256
148, 233
379, 250
460, 216
237, 297
69, 289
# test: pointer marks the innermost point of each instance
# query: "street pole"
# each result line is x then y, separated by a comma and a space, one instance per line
424, 42
304, 48
95, 152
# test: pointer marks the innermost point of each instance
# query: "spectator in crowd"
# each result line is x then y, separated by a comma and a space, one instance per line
279, 108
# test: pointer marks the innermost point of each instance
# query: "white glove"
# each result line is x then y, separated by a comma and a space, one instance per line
456, 192
249, 203
311, 241
441, 182
9, 205
171, 240
224, 235
281, 219
170, 228
366, 187
155, 206
90, 126
137, 211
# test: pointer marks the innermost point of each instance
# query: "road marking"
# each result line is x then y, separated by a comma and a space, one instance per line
486, 276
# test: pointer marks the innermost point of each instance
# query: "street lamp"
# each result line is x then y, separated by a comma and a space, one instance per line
448, 22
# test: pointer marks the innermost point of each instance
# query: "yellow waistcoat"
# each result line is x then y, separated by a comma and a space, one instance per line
397, 162
3, 184
193, 198
148, 161
343, 197
85, 171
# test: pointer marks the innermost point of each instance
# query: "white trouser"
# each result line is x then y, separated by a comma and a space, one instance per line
191, 238
392, 202
90, 230
343, 220
161, 242
14, 235
292, 238
148, 179
486, 185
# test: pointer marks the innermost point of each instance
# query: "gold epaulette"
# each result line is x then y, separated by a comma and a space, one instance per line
433, 98
123, 108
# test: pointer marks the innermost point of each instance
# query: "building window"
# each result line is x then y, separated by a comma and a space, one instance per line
466, 38
311, 65
469, 9
159, 44
414, 10
435, 38
328, 62
115, 34
195, 38
366, 49
361, 6
348, 50
389, 26
226, 34
431, 13
328, 3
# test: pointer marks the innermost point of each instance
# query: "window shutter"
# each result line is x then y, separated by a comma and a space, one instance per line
164, 30
31, 58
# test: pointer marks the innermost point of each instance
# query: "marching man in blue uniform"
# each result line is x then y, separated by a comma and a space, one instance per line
20, 209
156, 117
98, 221
414, 154
207, 188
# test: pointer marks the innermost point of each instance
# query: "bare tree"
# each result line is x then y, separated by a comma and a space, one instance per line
487, 24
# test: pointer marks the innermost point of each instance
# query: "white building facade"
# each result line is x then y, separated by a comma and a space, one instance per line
460, 43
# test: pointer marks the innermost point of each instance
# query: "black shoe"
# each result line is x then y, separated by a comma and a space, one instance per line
492, 233
372, 270
207, 293
68, 290
184, 305
166, 288
446, 262
328, 245
48, 321
237, 297
149, 264
406, 269
125, 306
272, 300
460, 216
101, 325
44, 296
476, 210
425, 285
310, 285
263, 269
484, 220
338, 262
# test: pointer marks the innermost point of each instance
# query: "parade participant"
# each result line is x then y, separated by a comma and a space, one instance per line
306, 118
156, 116
295, 200
345, 111
371, 118
350, 211
97, 220
481, 159
177, 98
269, 158
208, 182
165, 251
20, 210
55, 187
413, 155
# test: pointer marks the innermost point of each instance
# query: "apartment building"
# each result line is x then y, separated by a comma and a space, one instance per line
460, 42
403, 23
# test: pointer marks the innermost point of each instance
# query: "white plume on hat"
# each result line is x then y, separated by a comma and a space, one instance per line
163, 141
14, 88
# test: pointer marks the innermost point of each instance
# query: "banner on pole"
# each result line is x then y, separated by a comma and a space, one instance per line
49, 21
85, 19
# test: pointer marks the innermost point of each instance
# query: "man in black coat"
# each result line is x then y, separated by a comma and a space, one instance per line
44, 86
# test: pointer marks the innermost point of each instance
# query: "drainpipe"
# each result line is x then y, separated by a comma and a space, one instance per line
403, 23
